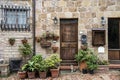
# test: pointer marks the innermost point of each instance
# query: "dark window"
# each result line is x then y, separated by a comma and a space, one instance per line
113, 33
15, 18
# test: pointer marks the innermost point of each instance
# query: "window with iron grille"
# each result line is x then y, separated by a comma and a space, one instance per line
15, 18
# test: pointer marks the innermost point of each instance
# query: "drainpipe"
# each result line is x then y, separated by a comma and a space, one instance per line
33, 25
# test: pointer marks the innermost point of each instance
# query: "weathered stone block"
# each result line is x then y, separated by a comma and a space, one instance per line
117, 8
50, 9
78, 3
82, 9
70, 4
58, 9
86, 3
103, 8
72, 9
62, 3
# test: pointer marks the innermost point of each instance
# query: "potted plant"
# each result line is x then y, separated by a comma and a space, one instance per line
22, 72
37, 58
31, 67
38, 39
24, 41
102, 65
53, 63
25, 50
55, 37
42, 68
92, 63
54, 48
81, 58
84, 46
45, 44
11, 41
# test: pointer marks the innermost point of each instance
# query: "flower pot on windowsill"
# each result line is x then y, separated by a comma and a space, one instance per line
54, 49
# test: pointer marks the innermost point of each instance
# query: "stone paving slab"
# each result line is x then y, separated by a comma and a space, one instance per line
110, 75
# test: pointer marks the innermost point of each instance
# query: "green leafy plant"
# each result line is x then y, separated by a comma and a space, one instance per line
42, 66
82, 55
30, 66
53, 61
102, 62
92, 62
37, 58
25, 49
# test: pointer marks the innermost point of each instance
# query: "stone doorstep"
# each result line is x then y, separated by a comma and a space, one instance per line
114, 66
68, 67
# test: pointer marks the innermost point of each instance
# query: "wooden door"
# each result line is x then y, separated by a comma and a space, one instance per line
114, 39
68, 38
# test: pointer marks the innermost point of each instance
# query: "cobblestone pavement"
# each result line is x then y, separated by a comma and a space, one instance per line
111, 75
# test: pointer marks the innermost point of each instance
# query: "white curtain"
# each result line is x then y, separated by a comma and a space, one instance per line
11, 17
22, 17
16, 17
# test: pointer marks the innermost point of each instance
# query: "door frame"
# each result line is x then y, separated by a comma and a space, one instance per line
76, 32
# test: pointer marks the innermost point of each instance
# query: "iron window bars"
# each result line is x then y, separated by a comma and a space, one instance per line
5, 23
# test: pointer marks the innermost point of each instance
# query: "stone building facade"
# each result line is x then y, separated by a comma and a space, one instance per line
88, 13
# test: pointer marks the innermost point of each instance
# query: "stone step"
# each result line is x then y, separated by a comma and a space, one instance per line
68, 64
69, 61
68, 67
114, 66
114, 61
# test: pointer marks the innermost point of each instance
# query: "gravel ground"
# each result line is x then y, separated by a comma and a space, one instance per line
110, 75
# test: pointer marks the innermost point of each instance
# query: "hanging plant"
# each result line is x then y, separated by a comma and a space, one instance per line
11, 41
54, 48
38, 39
45, 44
55, 37
24, 41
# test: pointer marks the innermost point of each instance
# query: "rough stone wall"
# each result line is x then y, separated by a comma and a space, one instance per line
88, 12
6, 50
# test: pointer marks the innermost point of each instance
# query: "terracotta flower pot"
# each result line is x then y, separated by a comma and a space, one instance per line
22, 75
45, 44
83, 47
11, 43
54, 73
55, 38
31, 75
38, 39
82, 65
54, 49
24, 41
42, 74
